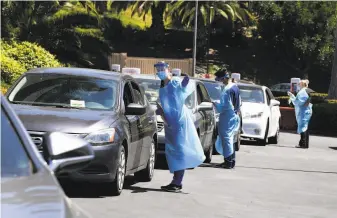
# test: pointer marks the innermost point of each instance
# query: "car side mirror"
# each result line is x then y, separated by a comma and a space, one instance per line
205, 106
135, 109
68, 153
274, 102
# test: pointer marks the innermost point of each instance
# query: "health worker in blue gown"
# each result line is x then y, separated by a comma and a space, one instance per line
183, 148
303, 112
229, 121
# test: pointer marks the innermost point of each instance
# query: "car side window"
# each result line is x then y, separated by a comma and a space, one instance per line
271, 96
139, 98
276, 87
15, 161
199, 94
268, 97
127, 95
205, 95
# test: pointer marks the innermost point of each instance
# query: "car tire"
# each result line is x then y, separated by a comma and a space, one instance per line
238, 142
146, 174
274, 139
116, 186
209, 154
264, 141
215, 137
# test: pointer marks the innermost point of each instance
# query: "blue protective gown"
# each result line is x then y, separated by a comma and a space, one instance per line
183, 148
228, 123
303, 111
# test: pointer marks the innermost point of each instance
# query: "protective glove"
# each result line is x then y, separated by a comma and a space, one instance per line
185, 81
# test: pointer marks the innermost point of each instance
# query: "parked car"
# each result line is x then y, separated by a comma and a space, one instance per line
28, 186
105, 108
199, 102
281, 89
260, 114
214, 89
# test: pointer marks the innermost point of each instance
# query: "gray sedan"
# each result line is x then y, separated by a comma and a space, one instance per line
28, 186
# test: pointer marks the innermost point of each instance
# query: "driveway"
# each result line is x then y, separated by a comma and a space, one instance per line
272, 181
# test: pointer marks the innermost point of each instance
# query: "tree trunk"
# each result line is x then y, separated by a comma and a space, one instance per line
333, 83
157, 26
201, 37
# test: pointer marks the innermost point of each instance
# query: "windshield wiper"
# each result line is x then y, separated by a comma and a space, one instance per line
47, 104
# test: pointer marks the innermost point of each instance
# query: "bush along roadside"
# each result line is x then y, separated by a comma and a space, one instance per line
323, 120
18, 57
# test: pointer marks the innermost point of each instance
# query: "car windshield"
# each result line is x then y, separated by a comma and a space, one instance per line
214, 90
251, 94
151, 88
67, 91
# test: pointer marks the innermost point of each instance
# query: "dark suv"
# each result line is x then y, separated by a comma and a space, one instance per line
107, 109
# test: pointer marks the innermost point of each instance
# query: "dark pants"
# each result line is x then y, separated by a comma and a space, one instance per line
178, 177
304, 142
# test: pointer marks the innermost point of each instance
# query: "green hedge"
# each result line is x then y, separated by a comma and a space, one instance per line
18, 57
29, 55
316, 98
324, 118
10, 69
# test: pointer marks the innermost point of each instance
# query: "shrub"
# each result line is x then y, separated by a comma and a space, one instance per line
324, 118
316, 98
29, 55
10, 69
4, 88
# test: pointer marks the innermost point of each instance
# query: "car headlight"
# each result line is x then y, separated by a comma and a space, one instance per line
102, 137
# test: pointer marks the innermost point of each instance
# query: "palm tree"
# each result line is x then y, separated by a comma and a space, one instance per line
333, 82
142, 8
208, 11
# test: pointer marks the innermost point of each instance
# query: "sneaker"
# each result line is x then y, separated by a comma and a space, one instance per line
172, 188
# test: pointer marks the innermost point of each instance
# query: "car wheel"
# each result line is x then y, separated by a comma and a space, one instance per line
264, 141
209, 154
146, 174
238, 142
117, 185
215, 135
274, 139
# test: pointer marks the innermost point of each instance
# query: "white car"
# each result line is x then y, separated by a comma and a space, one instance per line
260, 114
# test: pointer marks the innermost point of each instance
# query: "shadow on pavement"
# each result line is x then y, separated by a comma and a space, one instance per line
293, 170
91, 190
281, 146
211, 165
333, 148
214, 165
137, 189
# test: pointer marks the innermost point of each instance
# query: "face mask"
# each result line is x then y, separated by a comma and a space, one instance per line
162, 75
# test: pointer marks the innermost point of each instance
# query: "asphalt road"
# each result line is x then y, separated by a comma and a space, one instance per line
272, 181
